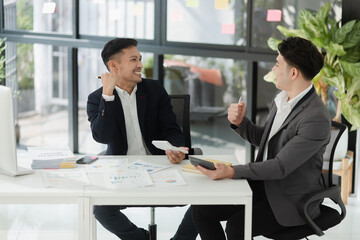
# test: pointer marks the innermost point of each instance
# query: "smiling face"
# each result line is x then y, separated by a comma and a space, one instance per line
128, 66
282, 72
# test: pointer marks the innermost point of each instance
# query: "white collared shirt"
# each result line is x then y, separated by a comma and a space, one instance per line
284, 108
134, 138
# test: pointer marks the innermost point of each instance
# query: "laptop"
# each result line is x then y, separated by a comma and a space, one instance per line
8, 157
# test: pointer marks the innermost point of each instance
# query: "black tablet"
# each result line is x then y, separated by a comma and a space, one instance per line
204, 163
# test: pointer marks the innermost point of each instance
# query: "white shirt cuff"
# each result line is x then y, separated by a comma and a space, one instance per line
108, 98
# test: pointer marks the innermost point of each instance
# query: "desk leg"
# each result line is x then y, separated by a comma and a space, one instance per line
84, 218
248, 219
93, 224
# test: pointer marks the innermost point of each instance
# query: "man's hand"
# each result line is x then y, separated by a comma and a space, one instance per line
176, 157
236, 113
222, 171
109, 80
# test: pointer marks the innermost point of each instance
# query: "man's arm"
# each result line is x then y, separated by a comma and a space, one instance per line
101, 116
312, 135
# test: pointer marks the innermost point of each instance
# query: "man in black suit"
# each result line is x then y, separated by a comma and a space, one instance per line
127, 113
291, 147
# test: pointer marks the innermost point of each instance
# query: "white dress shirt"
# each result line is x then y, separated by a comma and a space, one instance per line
284, 108
134, 138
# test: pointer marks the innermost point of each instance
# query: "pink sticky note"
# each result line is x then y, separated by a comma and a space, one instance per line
273, 15
228, 28
176, 15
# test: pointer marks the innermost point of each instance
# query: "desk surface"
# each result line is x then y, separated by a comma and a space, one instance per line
199, 189
30, 189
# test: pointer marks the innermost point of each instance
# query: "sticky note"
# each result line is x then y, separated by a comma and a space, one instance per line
273, 15
192, 3
221, 4
176, 16
49, 7
138, 9
228, 28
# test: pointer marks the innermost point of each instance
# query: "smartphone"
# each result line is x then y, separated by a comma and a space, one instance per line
204, 163
87, 160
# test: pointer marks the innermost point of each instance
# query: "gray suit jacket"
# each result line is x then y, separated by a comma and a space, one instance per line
295, 156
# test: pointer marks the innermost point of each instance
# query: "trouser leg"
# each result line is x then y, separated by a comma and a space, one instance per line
207, 219
116, 222
187, 229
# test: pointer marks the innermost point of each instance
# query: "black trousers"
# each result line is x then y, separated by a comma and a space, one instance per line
207, 218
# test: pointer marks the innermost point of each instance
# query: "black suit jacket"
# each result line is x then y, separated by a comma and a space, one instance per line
156, 119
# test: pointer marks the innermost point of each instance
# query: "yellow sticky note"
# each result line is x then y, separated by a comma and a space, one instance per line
192, 3
221, 4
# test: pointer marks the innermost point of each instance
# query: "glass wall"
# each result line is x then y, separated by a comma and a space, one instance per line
215, 22
266, 91
37, 74
213, 84
267, 14
126, 18
191, 30
39, 15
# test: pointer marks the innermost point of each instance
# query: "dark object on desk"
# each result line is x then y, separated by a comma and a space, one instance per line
329, 216
87, 160
206, 164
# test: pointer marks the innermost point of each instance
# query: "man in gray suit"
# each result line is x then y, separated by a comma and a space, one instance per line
291, 147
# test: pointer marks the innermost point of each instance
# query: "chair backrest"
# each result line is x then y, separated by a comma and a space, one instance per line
341, 127
181, 108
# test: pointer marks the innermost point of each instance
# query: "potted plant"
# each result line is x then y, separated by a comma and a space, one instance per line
341, 70
2, 59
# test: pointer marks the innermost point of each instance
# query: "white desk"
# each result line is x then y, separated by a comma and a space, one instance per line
199, 190
29, 189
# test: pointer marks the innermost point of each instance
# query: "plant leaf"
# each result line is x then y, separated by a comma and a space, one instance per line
323, 13
308, 23
335, 49
352, 115
291, 32
340, 34
353, 69
352, 54
273, 43
353, 38
270, 77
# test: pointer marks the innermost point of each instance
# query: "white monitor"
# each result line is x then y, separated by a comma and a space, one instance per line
8, 158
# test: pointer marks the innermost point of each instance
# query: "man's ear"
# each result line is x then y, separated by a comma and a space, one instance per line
294, 72
112, 65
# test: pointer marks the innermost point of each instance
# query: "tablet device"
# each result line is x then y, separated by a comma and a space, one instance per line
87, 160
204, 163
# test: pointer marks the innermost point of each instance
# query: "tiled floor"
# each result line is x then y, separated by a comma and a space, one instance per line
59, 222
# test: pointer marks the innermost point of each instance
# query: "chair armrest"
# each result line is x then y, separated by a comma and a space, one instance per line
198, 151
334, 193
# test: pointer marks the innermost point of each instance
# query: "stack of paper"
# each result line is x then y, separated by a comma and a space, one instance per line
190, 168
51, 157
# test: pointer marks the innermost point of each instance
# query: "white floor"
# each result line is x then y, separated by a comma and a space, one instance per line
59, 222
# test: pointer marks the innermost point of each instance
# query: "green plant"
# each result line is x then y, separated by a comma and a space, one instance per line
341, 62
2, 59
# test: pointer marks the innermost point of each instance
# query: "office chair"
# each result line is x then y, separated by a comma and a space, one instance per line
181, 108
329, 216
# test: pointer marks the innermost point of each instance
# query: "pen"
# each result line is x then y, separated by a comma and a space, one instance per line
240, 99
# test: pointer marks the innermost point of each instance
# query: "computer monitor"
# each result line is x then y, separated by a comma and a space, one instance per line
8, 158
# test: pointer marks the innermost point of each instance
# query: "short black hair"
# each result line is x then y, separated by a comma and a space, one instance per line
115, 46
302, 54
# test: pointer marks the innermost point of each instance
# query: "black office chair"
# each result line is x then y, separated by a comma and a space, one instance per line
181, 108
329, 217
